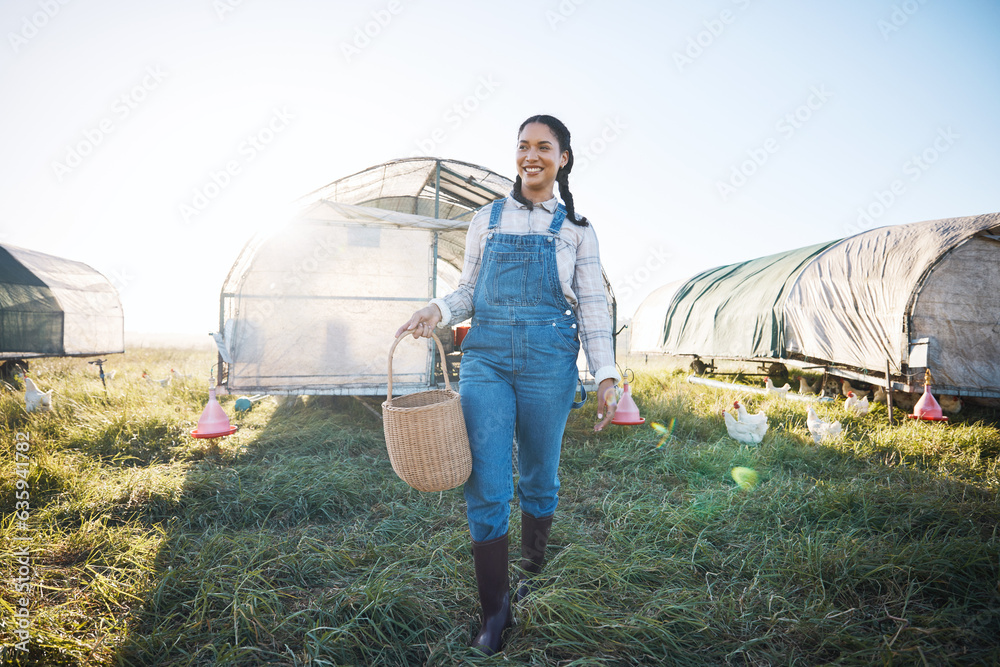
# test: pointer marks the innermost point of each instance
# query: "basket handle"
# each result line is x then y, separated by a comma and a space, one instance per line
444, 363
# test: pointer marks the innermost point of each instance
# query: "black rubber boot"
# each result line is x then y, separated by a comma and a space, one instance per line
493, 581
534, 539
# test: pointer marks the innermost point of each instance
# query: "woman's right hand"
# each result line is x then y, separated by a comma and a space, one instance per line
422, 322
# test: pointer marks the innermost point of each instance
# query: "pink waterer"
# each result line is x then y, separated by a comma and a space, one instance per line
627, 413
927, 408
213, 422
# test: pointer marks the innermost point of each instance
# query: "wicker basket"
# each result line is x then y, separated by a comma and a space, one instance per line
425, 434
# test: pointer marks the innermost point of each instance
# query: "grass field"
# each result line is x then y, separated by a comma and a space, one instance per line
293, 542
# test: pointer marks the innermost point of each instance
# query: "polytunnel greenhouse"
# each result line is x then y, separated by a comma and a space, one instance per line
312, 307
56, 307
897, 300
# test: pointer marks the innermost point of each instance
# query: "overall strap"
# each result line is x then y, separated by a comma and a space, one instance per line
557, 220
495, 211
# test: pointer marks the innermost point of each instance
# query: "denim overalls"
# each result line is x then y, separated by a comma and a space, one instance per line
518, 376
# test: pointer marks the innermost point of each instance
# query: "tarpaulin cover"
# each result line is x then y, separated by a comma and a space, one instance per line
647, 326
735, 310
51, 306
922, 295
872, 297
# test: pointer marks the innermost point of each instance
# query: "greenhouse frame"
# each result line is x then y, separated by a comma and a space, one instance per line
311, 308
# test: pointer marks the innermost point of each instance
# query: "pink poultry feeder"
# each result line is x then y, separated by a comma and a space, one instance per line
213, 422
627, 413
927, 408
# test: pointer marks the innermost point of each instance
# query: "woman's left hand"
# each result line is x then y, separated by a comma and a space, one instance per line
607, 403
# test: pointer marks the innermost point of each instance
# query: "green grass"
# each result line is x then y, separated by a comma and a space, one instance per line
293, 542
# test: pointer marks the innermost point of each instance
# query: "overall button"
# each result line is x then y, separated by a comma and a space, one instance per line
568, 312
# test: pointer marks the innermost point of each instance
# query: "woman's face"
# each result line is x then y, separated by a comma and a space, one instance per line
538, 160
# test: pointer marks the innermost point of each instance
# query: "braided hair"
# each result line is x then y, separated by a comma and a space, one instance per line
562, 176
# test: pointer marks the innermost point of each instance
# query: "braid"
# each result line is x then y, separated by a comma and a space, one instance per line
520, 197
562, 176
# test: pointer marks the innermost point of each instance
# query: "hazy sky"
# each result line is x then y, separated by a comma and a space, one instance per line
151, 139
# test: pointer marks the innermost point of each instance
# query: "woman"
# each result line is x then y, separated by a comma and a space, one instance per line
533, 285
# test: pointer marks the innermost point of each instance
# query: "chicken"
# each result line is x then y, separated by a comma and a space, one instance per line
854, 405
745, 417
34, 399
749, 432
163, 383
951, 404
780, 391
846, 389
879, 396
821, 429
177, 375
806, 388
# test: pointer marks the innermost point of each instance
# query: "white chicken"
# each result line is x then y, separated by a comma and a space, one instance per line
855, 406
846, 389
745, 428
163, 383
805, 387
780, 391
951, 404
34, 399
821, 429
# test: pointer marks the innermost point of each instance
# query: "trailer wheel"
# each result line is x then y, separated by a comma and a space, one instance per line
698, 367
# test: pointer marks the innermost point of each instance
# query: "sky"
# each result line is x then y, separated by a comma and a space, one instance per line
151, 140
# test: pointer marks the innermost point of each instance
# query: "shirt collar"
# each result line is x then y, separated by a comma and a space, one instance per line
548, 206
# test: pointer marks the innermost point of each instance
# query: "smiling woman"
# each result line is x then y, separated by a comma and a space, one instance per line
534, 288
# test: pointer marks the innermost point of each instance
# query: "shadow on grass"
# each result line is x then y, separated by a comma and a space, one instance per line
295, 543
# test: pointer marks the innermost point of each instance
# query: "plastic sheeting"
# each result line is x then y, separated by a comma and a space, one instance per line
51, 306
850, 305
735, 310
307, 310
444, 189
923, 295
649, 320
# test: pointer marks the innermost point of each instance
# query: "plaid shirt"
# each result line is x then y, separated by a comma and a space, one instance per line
579, 264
